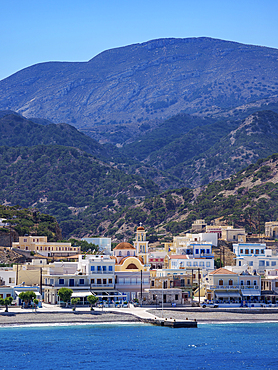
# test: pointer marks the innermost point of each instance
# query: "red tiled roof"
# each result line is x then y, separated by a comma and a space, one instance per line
222, 271
179, 257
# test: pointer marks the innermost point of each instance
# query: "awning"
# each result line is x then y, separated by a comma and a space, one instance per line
228, 294
222, 294
17, 292
251, 292
81, 294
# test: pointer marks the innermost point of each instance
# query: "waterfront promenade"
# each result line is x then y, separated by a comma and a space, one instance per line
51, 315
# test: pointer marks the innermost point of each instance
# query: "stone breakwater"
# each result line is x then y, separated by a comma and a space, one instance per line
218, 316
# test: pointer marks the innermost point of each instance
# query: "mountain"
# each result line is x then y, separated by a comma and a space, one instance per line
255, 137
78, 189
28, 221
247, 199
16, 130
89, 197
122, 90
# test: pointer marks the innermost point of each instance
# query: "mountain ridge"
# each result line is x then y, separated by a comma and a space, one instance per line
123, 88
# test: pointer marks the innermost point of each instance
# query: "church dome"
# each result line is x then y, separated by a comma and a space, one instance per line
124, 245
140, 228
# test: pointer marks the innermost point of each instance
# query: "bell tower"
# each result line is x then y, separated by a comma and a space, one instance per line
141, 244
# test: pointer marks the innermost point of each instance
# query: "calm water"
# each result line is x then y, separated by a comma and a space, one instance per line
226, 346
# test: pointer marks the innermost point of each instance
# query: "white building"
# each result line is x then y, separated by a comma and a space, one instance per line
254, 257
7, 276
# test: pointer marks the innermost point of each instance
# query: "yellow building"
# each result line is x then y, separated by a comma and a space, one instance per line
271, 229
141, 244
126, 259
40, 245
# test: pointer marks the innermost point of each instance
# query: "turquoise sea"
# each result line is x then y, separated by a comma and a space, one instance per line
221, 346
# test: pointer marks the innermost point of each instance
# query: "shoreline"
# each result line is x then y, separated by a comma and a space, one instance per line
47, 318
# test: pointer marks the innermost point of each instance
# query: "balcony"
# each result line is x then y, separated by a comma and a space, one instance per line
102, 286
232, 287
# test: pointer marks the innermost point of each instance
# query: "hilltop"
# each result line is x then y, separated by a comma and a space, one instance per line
123, 90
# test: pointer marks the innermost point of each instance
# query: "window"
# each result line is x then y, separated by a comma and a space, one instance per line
92, 268
255, 282
262, 251
152, 283
182, 282
207, 264
221, 282
51, 281
92, 281
176, 297
103, 268
246, 251
241, 282
241, 251
128, 253
257, 251
188, 263
267, 263
252, 251
248, 282
202, 251
261, 263
61, 281
81, 281
25, 240
276, 284
273, 263
110, 281
195, 263
208, 251
231, 282
104, 281
239, 263
110, 268
98, 268
234, 237
188, 281
250, 263
45, 281
197, 251
99, 281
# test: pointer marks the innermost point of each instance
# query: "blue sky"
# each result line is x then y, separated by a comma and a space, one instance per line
34, 31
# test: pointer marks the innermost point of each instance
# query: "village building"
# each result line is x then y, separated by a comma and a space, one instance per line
271, 229
254, 257
225, 286
40, 245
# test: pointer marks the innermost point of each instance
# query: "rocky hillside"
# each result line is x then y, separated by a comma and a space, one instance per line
122, 89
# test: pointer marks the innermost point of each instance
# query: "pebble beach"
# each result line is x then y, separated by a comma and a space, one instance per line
17, 317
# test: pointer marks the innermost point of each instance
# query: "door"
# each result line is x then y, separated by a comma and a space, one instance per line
71, 282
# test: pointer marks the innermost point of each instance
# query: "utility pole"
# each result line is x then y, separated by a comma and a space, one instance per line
41, 281
141, 288
199, 287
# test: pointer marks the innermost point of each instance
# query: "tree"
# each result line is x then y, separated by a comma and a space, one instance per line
65, 295
27, 297
36, 302
6, 302
92, 299
74, 301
